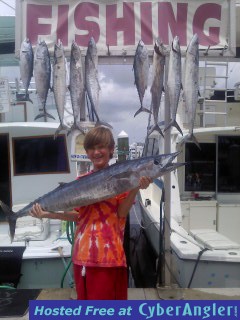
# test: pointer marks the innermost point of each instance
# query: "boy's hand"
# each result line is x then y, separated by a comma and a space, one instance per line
37, 211
144, 182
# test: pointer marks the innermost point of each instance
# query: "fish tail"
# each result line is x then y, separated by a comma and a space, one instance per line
28, 99
194, 140
173, 123
11, 217
156, 128
102, 123
59, 129
142, 109
44, 114
76, 126
190, 138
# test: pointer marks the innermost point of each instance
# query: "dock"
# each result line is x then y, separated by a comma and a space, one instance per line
172, 293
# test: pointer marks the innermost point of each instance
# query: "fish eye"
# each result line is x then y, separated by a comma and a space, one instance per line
156, 162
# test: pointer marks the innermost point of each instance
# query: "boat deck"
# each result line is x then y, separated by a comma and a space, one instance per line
148, 294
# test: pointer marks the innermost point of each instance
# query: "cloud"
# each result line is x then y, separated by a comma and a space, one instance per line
119, 101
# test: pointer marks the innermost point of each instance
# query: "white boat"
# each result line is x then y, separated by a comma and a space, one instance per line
33, 163
204, 199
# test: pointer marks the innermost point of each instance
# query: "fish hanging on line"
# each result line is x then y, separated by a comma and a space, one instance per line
26, 65
174, 82
42, 75
59, 84
191, 86
91, 80
76, 85
157, 87
141, 71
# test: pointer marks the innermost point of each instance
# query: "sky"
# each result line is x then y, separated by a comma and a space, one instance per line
119, 99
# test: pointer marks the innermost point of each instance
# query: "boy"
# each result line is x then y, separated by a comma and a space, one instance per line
99, 261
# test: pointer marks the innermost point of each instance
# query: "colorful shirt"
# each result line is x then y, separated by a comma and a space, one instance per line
99, 234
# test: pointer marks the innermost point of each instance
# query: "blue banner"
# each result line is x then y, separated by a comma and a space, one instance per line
134, 309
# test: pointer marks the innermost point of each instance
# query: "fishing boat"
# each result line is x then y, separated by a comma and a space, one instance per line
204, 195
32, 164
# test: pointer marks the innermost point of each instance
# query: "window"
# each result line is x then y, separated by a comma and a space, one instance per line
228, 164
200, 170
38, 155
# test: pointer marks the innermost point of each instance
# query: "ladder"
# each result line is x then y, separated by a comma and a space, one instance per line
207, 103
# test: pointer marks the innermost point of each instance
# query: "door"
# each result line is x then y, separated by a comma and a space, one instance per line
5, 176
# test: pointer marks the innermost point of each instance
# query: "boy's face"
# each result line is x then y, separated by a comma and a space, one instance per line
100, 156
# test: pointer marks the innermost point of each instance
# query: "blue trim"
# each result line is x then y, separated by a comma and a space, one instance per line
159, 183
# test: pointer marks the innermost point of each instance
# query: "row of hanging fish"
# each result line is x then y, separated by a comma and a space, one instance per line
39, 63
175, 84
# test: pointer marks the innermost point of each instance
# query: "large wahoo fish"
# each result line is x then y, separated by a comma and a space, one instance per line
97, 186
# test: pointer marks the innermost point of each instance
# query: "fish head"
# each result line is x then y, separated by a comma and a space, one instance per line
176, 44
166, 158
193, 45
173, 166
26, 45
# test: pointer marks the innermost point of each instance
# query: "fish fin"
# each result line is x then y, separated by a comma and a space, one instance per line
173, 123
76, 126
199, 94
45, 114
155, 128
194, 140
102, 123
59, 129
142, 109
190, 138
11, 217
30, 100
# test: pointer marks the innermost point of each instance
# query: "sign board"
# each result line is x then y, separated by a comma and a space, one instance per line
117, 26
4, 95
78, 152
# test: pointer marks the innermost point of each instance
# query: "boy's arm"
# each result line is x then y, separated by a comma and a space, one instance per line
38, 212
127, 203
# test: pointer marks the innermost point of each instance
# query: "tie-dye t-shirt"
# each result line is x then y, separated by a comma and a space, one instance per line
99, 234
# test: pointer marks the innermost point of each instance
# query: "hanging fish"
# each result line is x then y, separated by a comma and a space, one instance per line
26, 65
157, 85
59, 84
191, 86
141, 70
42, 75
91, 79
76, 86
174, 82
